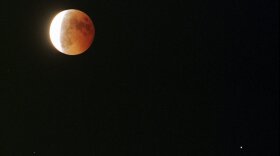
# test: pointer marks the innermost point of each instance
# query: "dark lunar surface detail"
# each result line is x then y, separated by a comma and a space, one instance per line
76, 32
84, 26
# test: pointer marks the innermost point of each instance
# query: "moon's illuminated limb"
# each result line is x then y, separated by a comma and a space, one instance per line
55, 30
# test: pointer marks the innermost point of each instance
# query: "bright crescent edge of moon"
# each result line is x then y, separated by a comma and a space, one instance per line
55, 29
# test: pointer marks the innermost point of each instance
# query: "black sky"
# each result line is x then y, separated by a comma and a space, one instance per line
162, 78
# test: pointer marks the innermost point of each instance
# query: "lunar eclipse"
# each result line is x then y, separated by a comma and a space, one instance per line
72, 32
139, 78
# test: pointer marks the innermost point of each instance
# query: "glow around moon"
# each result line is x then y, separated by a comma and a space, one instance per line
72, 32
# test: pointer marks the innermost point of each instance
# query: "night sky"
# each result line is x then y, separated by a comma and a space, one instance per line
162, 78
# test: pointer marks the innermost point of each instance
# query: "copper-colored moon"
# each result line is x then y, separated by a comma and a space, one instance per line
72, 32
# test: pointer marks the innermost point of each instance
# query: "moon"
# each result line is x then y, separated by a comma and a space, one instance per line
72, 32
